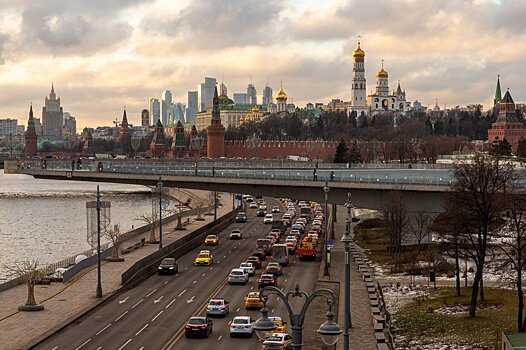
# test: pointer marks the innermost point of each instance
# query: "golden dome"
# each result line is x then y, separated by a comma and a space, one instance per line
382, 73
255, 109
358, 52
282, 96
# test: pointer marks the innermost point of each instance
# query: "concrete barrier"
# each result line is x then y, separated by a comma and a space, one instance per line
81, 265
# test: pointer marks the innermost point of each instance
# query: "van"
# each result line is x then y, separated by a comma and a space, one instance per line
280, 254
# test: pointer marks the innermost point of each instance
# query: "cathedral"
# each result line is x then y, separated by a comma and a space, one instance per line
381, 100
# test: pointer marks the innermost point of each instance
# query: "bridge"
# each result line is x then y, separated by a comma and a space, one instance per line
423, 188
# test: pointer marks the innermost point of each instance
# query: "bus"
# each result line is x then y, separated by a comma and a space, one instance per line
280, 254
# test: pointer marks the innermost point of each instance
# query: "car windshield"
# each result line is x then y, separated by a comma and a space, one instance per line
210, 237
274, 338
203, 256
236, 273
167, 261
215, 302
197, 321
266, 277
241, 321
253, 295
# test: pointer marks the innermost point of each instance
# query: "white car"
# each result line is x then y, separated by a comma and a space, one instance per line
236, 234
248, 267
292, 239
242, 325
238, 276
281, 341
253, 205
268, 219
275, 209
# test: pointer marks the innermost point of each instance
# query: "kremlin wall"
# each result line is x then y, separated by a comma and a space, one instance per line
271, 149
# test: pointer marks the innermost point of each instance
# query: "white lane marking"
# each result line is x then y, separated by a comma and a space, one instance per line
237, 310
166, 282
158, 300
181, 293
124, 300
142, 329
121, 316
252, 287
100, 347
285, 280
137, 303
81, 345
195, 282
103, 329
186, 268
153, 291
122, 347
211, 267
174, 277
224, 256
188, 301
55, 348
203, 275
220, 337
142, 347
159, 314
170, 304
277, 298
272, 311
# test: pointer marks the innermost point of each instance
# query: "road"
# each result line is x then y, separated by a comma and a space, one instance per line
153, 314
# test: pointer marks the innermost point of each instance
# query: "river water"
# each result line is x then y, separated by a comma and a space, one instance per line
46, 220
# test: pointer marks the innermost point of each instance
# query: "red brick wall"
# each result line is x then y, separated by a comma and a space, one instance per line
511, 132
282, 149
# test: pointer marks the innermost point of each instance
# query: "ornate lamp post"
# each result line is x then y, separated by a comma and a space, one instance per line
329, 330
326, 189
346, 240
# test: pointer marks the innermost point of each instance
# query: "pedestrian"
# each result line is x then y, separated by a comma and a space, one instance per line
195, 166
45, 164
314, 175
73, 165
213, 171
332, 175
18, 163
79, 164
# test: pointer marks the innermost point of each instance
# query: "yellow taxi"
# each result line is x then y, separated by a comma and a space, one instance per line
313, 204
204, 258
252, 301
211, 240
279, 322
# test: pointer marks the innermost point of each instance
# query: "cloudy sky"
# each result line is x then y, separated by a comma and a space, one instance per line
106, 54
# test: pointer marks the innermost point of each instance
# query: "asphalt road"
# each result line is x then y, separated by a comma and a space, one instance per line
153, 314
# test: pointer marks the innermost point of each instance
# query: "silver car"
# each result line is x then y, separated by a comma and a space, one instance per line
242, 325
238, 276
217, 306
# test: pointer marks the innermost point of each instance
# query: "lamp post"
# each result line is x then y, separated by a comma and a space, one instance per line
326, 189
160, 188
99, 279
346, 240
215, 205
329, 330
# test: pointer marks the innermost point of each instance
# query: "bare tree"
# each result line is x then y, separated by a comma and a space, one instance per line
29, 271
199, 202
396, 224
513, 245
420, 234
210, 202
115, 235
479, 190
151, 220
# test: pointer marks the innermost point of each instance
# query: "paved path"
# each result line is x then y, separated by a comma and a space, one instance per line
64, 302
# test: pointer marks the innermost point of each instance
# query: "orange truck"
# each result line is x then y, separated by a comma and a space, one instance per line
307, 249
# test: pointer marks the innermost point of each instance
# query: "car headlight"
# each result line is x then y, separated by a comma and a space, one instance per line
160, 268
171, 267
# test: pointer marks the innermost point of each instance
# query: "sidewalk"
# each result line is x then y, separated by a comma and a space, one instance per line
64, 302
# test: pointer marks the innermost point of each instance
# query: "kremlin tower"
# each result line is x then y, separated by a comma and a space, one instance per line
30, 136
215, 132
358, 86
124, 138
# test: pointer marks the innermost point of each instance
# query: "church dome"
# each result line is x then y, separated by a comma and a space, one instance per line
358, 52
255, 109
382, 73
281, 96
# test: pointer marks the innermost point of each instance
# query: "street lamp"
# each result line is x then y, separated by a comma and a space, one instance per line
346, 240
329, 330
326, 189
160, 188
215, 205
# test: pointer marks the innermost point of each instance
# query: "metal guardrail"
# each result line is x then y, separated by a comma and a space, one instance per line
387, 314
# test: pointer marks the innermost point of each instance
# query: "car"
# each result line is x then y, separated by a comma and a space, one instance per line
276, 230
211, 240
278, 341
296, 233
241, 217
274, 268
267, 280
167, 265
236, 234
261, 212
279, 322
260, 253
248, 267
254, 260
238, 276
275, 209
253, 205
242, 325
268, 219
253, 301
265, 244
249, 199
272, 238
217, 306
292, 239
292, 247
204, 258
198, 326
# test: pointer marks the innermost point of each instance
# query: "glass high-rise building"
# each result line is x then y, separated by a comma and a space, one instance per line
267, 95
252, 98
205, 93
191, 106
154, 107
166, 106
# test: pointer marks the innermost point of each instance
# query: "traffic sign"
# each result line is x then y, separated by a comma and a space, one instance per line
238, 197
330, 242
329, 246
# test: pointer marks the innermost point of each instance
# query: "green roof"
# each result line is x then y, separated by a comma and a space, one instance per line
517, 340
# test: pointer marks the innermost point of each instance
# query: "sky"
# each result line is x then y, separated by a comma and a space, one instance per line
103, 55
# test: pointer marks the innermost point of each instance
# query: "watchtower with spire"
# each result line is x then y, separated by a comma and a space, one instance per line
30, 137
123, 142
507, 126
215, 132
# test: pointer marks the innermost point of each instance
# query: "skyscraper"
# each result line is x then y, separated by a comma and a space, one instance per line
267, 95
252, 98
205, 93
166, 106
223, 91
178, 112
191, 107
240, 98
145, 118
155, 109
52, 116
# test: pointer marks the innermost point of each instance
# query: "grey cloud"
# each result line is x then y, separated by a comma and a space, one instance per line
226, 23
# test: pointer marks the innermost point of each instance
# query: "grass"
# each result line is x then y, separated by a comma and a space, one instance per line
414, 321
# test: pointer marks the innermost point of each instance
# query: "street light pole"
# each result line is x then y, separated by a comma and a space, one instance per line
215, 205
326, 189
329, 330
346, 240
160, 187
99, 281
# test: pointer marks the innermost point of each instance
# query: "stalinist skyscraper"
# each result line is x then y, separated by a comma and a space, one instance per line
52, 116
358, 89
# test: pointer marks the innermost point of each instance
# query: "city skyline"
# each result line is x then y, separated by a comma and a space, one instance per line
99, 57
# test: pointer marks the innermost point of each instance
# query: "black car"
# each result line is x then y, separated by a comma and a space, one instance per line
261, 212
168, 266
260, 253
198, 326
241, 217
265, 244
267, 280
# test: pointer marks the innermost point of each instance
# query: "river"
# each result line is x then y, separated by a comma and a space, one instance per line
46, 220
